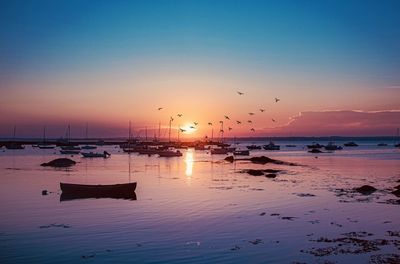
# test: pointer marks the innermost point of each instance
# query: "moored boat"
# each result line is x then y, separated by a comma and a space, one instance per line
350, 144
70, 152
70, 148
169, 153
272, 146
315, 146
215, 151
253, 147
105, 154
243, 152
88, 147
332, 146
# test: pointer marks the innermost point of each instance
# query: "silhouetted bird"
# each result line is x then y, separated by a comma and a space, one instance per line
222, 131
253, 129
273, 120
179, 115
172, 119
209, 123
192, 127
221, 122
227, 117
229, 128
262, 110
277, 100
159, 108
251, 113
195, 123
238, 122
249, 121
239, 93
182, 130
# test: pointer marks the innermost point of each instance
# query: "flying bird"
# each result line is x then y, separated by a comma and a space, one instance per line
160, 108
239, 93
182, 130
179, 115
238, 122
227, 117
251, 113
277, 100
192, 127
249, 121
273, 120
229, 128
195, 123
222, 131
253, 129
172, 119
209, 123
221, 122
262, 110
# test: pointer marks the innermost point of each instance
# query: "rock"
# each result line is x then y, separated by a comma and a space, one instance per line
366, 189
230, 159
397, 187
397, 192
262, 160
270, 175
255, 172
59, 163
44, 192
315, 151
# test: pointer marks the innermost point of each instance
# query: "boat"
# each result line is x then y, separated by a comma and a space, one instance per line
88, 147
290, 146
243, 152
272, 146
350, 144
169, 153
332, 146
382, 145
105, 154
216, 151
81, 191
14, 145
315, 146
253, 147
70, 148
46, 146
70, 152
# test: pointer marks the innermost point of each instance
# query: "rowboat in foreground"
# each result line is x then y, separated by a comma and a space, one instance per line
104, 155
81, 191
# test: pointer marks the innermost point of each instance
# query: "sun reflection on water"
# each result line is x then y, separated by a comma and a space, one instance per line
189, 162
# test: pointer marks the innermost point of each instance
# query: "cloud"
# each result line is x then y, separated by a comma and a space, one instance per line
344, 123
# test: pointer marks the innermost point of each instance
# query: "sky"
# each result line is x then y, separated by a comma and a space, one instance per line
334, 65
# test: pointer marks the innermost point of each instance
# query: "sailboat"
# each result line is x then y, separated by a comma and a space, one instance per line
88, 146
69, 149
14, 144
44, 145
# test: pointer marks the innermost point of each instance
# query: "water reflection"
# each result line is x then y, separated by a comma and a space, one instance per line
189, 162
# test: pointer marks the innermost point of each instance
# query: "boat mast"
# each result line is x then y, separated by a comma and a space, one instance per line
169, 131
146, 133
159, 131
44, 134
15, 130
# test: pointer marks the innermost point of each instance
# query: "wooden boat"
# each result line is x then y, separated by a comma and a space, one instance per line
105, 154
81, 191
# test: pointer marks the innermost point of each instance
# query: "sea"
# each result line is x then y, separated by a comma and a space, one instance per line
199, 208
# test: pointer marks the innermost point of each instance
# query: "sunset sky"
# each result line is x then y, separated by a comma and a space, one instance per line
335, 65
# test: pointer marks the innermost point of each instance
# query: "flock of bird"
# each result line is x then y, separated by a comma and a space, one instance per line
195, 124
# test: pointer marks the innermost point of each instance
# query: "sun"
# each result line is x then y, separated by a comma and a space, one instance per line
189, 128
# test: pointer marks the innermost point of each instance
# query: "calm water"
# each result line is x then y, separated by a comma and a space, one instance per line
196, 208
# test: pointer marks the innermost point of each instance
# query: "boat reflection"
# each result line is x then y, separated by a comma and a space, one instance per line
73, 196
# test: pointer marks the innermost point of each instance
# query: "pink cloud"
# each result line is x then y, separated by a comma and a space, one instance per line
344, 123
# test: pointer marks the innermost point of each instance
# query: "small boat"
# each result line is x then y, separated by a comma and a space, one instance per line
70, 152
350, 144
397, 145
272, 146
105, 154
253, 147
14, 145
290, 146
169, 153
315, 146
382, 145
332, 146
243, 152
45, 146
70, 148
88, 147
216, 151
81, 191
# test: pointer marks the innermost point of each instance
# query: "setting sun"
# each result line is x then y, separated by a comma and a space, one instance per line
188, 128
